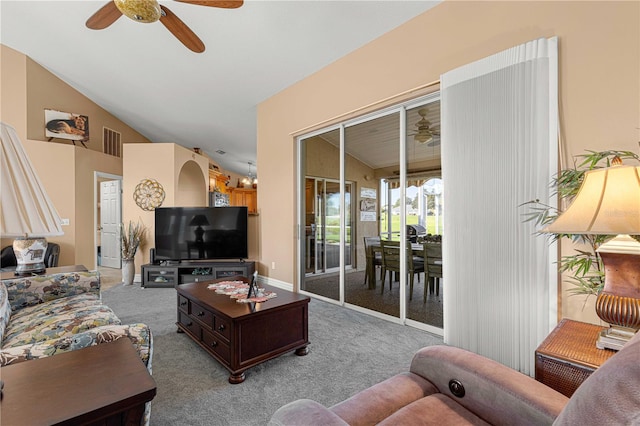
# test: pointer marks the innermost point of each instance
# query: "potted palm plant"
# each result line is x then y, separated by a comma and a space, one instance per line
132, 237
584, 268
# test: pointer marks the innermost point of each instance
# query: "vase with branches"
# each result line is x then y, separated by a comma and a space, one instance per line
132, 238
584, 268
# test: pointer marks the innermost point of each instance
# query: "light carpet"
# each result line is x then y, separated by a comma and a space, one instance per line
348, 352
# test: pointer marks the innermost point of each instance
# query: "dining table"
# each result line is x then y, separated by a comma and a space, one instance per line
417, 249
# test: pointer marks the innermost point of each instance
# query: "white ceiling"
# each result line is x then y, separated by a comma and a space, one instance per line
375, 142
148, 79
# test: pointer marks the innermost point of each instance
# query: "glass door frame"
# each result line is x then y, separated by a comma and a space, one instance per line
401, 109
321, 226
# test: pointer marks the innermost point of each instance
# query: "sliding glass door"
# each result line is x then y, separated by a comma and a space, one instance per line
365, 182
322, 208
372, 151
424, 198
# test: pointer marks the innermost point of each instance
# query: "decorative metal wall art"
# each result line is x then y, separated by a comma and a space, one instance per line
149, 194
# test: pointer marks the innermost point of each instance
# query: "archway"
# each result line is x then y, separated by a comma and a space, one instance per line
191, 190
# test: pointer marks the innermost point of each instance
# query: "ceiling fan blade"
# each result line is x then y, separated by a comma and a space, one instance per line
105, 16
225, 4
181, 31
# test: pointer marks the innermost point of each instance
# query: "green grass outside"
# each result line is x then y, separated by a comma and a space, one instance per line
411, 220
333, 226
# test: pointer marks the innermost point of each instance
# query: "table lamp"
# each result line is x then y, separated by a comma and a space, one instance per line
608, 203
199, 220
26, 211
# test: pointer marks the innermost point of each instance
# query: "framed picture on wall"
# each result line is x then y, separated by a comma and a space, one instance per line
367, 205
66, 125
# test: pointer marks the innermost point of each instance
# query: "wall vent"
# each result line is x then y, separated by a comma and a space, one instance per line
111, 142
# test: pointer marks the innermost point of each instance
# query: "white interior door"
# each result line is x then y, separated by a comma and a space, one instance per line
110, 218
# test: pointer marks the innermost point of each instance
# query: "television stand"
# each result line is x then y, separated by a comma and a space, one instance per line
172, 275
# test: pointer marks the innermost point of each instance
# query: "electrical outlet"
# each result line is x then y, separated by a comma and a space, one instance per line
64, 222
273, 265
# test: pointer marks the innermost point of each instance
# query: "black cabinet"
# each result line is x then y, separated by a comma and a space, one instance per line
190, 272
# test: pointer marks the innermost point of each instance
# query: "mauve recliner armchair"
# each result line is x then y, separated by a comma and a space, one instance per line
450, 386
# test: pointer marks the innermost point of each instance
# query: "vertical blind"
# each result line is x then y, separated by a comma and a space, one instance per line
499, 150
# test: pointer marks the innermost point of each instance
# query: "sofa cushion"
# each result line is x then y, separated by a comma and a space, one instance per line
376, 403
5, 310
609, 396
436, 410
29, 291
139, 334
305, 412
57, 319
53, 307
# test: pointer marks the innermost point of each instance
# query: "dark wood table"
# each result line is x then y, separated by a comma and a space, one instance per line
242, 335
106, 384
9, 275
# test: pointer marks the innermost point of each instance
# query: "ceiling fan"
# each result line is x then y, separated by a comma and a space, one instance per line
148, 11
424, 132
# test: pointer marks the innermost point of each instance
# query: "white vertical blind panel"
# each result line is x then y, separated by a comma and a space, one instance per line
499, 150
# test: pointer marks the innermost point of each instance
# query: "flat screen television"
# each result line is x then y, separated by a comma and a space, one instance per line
201, 233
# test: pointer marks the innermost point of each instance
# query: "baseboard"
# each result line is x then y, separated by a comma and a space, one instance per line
275, 283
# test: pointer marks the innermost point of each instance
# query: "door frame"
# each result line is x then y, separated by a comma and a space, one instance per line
323, 268
98, 177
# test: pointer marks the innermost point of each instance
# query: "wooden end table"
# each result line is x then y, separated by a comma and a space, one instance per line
569, 355
106, 384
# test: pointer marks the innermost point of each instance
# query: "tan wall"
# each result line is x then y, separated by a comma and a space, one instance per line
87, 221
13, 90
190, 183
57, 181
162, 162
66, 172
599, 59
46, 91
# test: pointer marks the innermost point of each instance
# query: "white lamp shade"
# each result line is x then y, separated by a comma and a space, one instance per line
608, 202
25, 207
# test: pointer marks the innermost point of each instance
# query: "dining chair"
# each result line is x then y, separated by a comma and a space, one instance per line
391, 263
374, 260
433, 268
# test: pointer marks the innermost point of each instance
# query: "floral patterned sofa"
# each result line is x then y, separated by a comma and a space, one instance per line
46, 315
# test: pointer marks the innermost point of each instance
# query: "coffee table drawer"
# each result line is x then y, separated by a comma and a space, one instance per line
183, 303
201, 314
217, 345
188, 322
222, 327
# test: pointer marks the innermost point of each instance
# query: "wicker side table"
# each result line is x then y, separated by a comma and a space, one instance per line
569, 355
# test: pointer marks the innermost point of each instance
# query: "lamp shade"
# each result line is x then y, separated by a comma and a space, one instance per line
25, 207
199, 220
607, 203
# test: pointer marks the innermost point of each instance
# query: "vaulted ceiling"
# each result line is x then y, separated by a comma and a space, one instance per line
375, 142
145, 77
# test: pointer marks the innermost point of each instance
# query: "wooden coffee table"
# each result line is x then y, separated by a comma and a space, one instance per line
105, 384
242, 335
